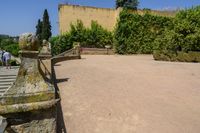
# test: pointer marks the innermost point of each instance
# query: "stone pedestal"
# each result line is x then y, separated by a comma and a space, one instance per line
29, 105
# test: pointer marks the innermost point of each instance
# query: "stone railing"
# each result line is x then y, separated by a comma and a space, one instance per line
96, 51
71, 54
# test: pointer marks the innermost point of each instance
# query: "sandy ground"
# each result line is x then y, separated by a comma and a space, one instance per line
129, 94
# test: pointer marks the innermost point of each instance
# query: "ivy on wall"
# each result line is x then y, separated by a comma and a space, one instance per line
135, 34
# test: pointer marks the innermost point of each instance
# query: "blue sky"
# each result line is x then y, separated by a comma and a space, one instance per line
19, 16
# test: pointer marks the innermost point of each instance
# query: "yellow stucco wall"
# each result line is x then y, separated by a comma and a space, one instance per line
70, 13
106, 17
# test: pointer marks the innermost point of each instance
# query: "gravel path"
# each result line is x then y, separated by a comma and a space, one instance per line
129, 94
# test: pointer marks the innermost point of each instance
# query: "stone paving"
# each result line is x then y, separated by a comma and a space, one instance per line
7, 77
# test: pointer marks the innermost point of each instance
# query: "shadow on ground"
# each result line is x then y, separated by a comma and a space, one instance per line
60, 119
61, 80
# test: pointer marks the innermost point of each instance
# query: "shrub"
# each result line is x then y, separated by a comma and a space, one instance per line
13, 49
60, 44
180, 56
164, 55
185, 34
97, 37
94, 37
7, 43
13, 62
136, 33
183, 38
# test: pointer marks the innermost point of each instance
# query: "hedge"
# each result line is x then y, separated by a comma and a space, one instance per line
135, 33
183, 38
180, 56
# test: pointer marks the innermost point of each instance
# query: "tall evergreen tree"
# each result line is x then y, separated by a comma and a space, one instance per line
46, 26
130, 4
39, 30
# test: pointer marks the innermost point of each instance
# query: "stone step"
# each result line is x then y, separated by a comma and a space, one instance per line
8, 74
9, 77
3, 90
4, 87
7, 80
5, 83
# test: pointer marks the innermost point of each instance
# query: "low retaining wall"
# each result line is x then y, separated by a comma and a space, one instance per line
97, 51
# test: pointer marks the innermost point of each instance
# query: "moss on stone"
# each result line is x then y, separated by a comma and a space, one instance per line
43, 96
18, 108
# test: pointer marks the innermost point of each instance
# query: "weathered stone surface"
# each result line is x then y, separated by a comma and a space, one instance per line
30, 85
29, 80
28, 41
45, 48
29, 105
42, 121
18, 108
3, 124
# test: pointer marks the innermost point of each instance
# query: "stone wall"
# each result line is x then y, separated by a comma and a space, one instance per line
106, 17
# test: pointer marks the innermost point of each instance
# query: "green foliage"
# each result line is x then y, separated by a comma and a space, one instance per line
8, 44
13, 62
6, 41
130, 4
46, 26
60, 44
183, 37
185, 34
97, 36
39, 30
12, 48
94, 37
77, 32
136, 33
179, 56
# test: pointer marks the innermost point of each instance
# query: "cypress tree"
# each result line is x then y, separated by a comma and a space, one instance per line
39, 30
46, 26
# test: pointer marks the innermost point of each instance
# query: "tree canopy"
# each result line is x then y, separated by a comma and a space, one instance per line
46, 26
130, 4
43, 28
39, 30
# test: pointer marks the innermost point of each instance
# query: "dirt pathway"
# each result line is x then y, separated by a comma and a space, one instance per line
129, 94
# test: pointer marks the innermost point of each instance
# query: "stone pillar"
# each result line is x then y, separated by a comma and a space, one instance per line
45, 61
77, 48
29, 105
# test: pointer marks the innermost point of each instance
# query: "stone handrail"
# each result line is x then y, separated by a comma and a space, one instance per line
71, 54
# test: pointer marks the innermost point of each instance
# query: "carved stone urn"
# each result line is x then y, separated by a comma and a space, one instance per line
29, 105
